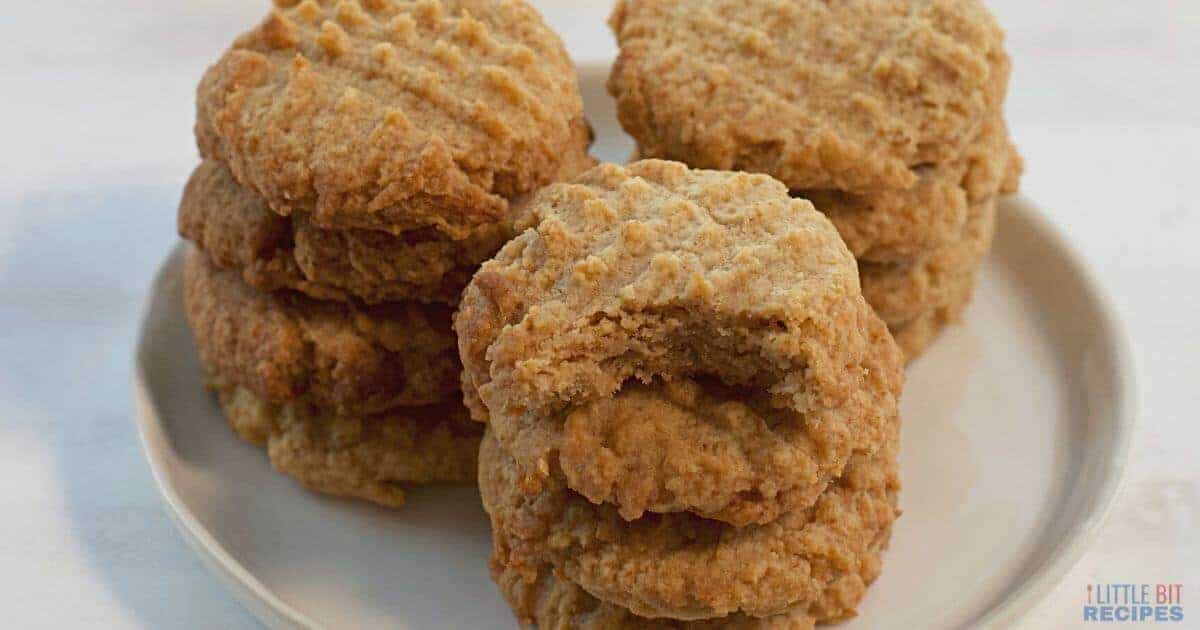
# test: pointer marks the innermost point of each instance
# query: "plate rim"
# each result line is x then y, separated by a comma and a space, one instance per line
273, 611
247, 589
1047, 577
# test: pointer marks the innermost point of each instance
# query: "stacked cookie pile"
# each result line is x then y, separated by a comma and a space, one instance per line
691, 409
361, 159
887, 115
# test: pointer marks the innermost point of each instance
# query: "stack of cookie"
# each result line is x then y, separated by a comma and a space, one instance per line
692, 411
887, 115
361, 159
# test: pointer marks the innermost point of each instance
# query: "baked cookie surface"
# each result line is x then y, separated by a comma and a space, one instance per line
658, 302
816, 561
915, 335
551, 602
237, 231
343, 358
370, 457
393, 115
901, 292
904, 225
847, 95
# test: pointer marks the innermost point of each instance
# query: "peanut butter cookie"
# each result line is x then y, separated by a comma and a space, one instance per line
237, 231
705, 311
853, 96
369, 457
548, 601
901, 292
903, 225
393, 115
815, 561
916, 334
343, 358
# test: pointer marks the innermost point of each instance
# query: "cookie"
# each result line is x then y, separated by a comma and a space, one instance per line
392, 115
899, 293
237, 230
915, 335
903, 225
1013, 172
852, 96
343, 358
548, 601
370, 457
946, 290
712, 299
815, 561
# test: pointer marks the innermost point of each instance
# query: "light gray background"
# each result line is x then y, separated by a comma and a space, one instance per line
95, 142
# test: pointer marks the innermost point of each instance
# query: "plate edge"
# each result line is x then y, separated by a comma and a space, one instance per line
249, 591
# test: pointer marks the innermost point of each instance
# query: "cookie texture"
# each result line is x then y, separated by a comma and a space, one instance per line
393, 115
815, 561
915, 335
901, 225
344, 358
899, 293
548, 601
370, 457
849, 95
657, 302
237, 231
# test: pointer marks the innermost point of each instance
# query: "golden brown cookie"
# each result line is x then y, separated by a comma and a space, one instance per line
343, 358
851, 95
1012, 174
685, 307
899, 293
903, 225
237, 231
369, 457
915, 335
393, 115
816, 561
548, 601
918, 298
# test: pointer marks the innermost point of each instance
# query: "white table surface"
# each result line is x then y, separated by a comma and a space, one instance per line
95, 143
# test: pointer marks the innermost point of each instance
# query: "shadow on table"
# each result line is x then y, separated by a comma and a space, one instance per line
73, 271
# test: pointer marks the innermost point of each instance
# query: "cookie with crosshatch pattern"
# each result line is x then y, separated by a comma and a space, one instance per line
392, 115
648, 309
853, 95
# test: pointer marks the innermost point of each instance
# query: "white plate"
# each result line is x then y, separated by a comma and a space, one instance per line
1016, 426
